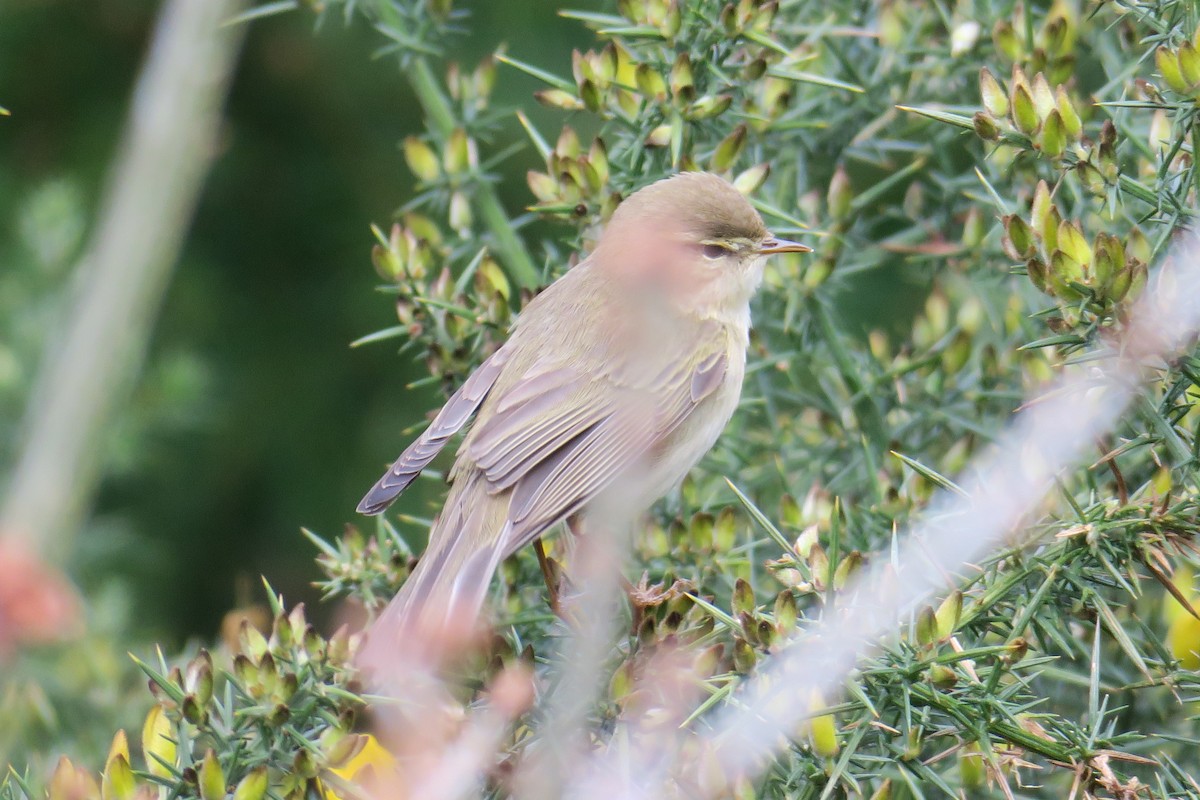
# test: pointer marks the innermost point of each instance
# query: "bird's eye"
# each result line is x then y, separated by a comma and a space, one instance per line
714, 251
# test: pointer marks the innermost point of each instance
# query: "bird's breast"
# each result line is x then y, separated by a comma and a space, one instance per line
695, 436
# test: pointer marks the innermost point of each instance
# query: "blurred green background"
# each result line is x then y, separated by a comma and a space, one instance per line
252, 416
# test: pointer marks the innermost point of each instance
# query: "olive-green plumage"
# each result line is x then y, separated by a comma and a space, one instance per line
632, 361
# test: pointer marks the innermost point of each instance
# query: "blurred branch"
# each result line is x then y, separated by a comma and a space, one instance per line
168, 146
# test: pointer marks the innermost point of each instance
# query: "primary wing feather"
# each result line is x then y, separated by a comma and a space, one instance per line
458, 409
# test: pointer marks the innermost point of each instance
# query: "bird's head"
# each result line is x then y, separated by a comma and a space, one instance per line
696, 237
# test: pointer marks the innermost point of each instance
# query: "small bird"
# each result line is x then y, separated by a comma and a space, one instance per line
626, 369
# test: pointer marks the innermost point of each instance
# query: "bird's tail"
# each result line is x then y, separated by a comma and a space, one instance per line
439, 605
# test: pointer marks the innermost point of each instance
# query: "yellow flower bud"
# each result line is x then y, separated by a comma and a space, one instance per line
158, 743
211, 777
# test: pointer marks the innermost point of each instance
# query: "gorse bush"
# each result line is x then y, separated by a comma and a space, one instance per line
985, 186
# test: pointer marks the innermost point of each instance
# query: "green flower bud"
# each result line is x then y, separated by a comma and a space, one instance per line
1043, 206
1070, 117
1189, 64
846, 569
1018, 238
1137, 281
1053, 138
700, 531
985, 127
926, 630
253, 786
786, 612
597, 156
1055, 34
709, 106
460, 212
730, 20
1091, 178
995, 101
972, 769
762, 17
818, 567
729, 149
754, 69
1161, 133
650, 83
1072, 242
1043, 96
725, 530
1024, 113
840, 194
659, 137
1006, 40
682, 81
1108, 134
1168, 66
942, 676
199, 677
1064, 274
672, 21
251, 641
544, 188
744, 656
457, 157
751, 180
948, 615
622, 683
1036, 269
1109, 260
592, 97
1138, 245
1106, 160
557, 98
421, 159
974, 228
884, 792
743, 597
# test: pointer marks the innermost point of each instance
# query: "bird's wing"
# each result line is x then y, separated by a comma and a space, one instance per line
559, 435
458, 409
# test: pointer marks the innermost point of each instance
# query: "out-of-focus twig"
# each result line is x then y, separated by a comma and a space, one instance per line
169, 143
957, 530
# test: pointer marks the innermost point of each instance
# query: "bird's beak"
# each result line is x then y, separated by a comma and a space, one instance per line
772, 245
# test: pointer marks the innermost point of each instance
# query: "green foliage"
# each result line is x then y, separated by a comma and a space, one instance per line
272, 715
1006, 174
